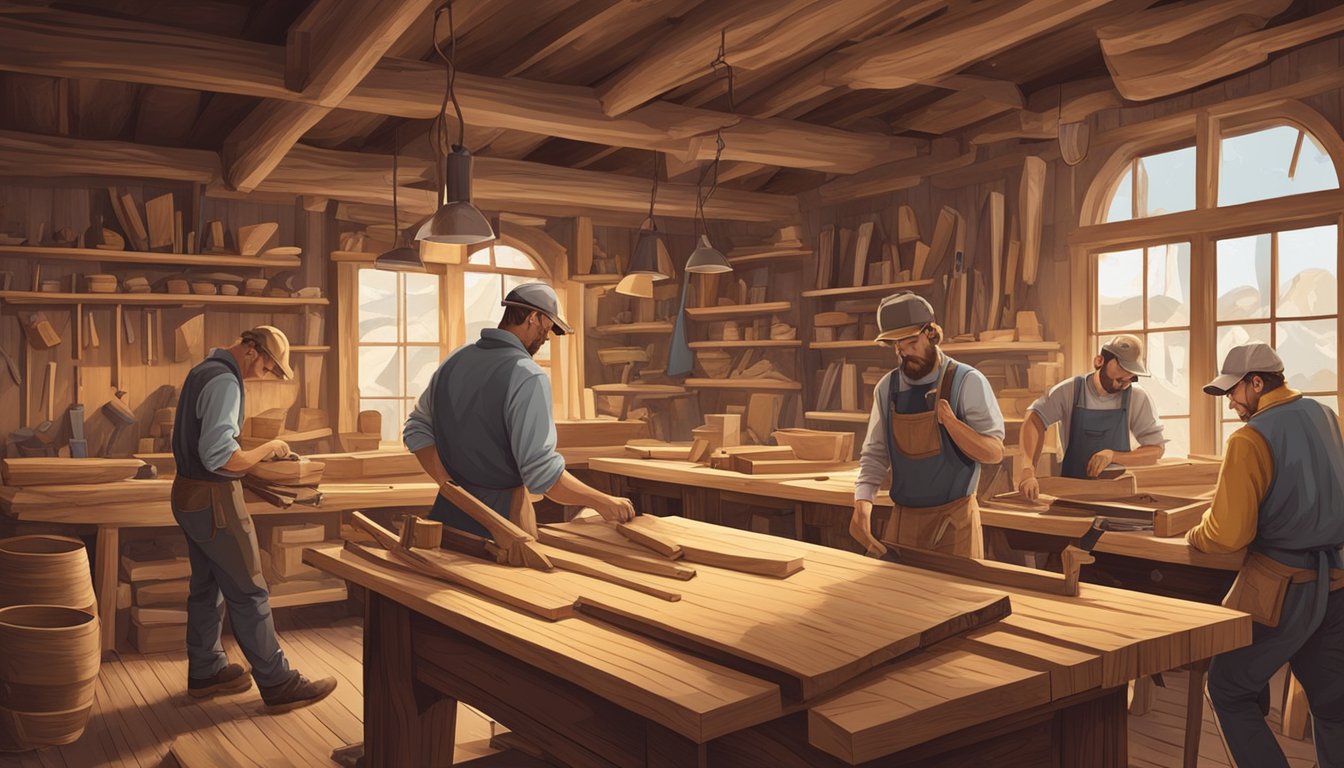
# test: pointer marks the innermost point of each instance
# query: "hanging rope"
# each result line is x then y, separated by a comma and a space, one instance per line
711, 171
396, 215
721, 62
439, 133
653, 195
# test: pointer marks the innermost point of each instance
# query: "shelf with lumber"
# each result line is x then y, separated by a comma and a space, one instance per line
299, 592
617, 329
851, 417
210, 260
155, 299
760, 343
596, 279
761, 385
784, 254
861, 290
733, 311
962, 348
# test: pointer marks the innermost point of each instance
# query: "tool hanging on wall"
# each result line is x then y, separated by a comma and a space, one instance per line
13, 368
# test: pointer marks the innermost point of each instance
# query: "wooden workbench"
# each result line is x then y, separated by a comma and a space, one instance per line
1044, 686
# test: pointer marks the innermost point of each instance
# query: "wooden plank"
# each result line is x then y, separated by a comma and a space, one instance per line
621, 557
1073, 488
578, 433
1030, 200
159, 212
57, 471
640, 532
700, 549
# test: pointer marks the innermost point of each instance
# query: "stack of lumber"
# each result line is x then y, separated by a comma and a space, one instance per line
371, 467
158, 574
292, 582
19, 473
287, 481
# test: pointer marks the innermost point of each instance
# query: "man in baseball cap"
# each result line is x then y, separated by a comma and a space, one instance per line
1280, 497
1097, 414
485, 421
934, 421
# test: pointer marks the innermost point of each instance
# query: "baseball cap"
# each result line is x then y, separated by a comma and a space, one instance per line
542, 298
1128, 351
1254, 357
274, 343
901, 315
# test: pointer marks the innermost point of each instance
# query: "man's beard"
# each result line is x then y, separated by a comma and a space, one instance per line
1109, 385
535, 347
918, 367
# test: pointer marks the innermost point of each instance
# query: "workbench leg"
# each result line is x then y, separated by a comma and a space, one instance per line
665, 749
1144, 696
405, 723
701, 504
1194, 712
1094, 734
105, 558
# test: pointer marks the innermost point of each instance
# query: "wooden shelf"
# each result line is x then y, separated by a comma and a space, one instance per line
153, 299
762, 258
308, 348
852, 417
738, 310
210, 260
763, 385
596, 279
860, 290
966, 349
306, 592
745, 344
618, 329
639, 390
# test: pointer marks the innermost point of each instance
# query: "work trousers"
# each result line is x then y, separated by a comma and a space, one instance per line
1314, 650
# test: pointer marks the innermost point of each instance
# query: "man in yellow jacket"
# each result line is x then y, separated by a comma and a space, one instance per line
1280, 495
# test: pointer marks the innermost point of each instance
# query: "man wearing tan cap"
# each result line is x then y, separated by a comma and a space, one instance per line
1280, 495
207, 502
934, 422
1097, 413
485, 421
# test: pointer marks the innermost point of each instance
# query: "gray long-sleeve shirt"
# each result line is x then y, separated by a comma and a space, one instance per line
220, 411
976, 406
527, 419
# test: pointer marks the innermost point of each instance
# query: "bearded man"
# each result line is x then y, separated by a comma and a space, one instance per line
934, 422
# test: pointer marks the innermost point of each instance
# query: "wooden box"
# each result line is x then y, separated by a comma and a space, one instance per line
161, 594
816, 444
159, 638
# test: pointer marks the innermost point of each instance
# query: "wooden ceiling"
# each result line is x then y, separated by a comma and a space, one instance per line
825, 93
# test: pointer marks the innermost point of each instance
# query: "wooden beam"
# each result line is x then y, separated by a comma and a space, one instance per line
29, 154
1170, 68
903, 174
1170, 23
1048, 107
66, 44
562, 30
950, 113
331, 48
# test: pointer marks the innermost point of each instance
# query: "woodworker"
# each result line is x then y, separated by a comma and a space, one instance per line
1280, 495
1097, 413
485, 420
207, 502
934, 422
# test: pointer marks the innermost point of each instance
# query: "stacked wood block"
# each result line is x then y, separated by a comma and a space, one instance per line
290, 580
158, 573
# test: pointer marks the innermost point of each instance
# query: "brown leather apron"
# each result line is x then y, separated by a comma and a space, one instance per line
227, 516
1262, 583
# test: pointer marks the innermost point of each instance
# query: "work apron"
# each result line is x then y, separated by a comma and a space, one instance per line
1092, 430
933, 483
1262, 584
207, 510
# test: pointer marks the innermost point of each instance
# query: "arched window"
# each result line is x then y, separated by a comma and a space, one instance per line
1272, 271
491, 272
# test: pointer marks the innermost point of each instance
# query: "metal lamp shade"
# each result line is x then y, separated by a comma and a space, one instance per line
457, 221
400, 259
705, 259
644, 261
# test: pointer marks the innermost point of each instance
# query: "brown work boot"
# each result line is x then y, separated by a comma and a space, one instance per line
231, 679
297, 692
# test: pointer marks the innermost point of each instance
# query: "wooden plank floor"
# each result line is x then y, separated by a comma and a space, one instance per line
142, 706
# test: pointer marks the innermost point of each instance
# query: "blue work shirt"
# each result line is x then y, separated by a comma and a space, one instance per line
220, 409
488, 411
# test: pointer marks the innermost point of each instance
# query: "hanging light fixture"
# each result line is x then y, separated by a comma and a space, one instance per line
706, 259
401, 258
644, 261
457, 221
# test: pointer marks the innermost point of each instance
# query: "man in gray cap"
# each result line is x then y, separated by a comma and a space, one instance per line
207, 503
1280, 495
1097, 413
485, 421
934, 422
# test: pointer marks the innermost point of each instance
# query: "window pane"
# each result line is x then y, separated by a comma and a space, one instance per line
380, 372
508, 257
422, 307
1329, 401
377, 305
421, 362
1120, 291
1308, 350
1122, 203
1230, 336
1169, 285
1243, 278
393, 418
480, 257
1169, 364
1255, 167
1307, 272
1171, 181
1177, 433
1228, 427
482, 296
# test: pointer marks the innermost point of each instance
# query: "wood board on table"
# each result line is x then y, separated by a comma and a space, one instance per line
22, 473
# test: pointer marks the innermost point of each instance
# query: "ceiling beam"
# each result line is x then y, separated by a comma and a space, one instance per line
570, 25
64, 44
330, 49
1047, 108
949, 114
904, 174
31, 154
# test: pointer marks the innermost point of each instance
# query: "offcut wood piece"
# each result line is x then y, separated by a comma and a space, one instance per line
992, 221
289, 472
190, 340
91, 339
825, 255
623, 355
751, 466
990, 571
310, 419
1199, 476
582, 433
138, 234
253, 237
597, 569
372, 465
155, 569
158, 638
763, 413
159, 213
644, 535
816, 444
1031, 200
1029, 328
20, 473
370, 422
656, 449
161, 594
699, 548
907, 225
863, 240
298, 533
727, 458
944, 230
1075, 488
141, 615
39, 331
621, 556
425, 534
729, 427
268, 424
50, 392
287, 562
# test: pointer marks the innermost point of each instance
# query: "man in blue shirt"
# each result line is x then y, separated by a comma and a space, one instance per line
485, 421
207, 502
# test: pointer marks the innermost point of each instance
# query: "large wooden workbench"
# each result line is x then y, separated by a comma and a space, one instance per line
1044, 686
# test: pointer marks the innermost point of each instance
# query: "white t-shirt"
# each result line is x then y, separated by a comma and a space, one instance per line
1057, 406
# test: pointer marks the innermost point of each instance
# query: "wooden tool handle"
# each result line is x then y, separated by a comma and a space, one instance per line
503, 531
1074, 559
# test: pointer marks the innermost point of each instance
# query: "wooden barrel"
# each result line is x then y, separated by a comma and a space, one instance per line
49, 658
45, 570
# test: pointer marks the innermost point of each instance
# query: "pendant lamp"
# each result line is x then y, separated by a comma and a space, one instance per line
456, 221
644, 261
706, 259
402, 258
